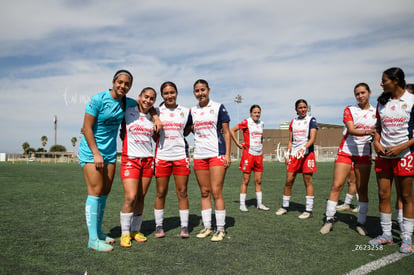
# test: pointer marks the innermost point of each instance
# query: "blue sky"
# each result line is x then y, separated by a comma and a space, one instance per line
54, 55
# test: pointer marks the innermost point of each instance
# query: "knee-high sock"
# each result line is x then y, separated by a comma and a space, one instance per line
184, 214
136, 223
408, 228
242, 198
91, 214
101, 211
259, 198
399, 213
285, 201
206, 216
220, 219
330, 209
126, 222
386, 223
362, 214
309, 203
159, 217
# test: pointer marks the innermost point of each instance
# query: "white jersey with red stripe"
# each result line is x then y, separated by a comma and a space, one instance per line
139, 130
208, 139
300, 128
397, 122
363, 120
172, 144
252, 135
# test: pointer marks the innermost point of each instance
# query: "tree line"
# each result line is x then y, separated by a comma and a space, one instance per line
27, 150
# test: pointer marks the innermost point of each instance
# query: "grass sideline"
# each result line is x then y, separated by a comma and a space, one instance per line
43, 229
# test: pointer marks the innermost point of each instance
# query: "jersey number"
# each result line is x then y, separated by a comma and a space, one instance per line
407, 162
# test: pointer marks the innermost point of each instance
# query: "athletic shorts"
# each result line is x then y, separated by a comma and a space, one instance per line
205, 164
249, 163
398, 166
135, 168
306, 165
342, 157
166, 168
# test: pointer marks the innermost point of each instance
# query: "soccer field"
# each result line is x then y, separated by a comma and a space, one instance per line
43, 229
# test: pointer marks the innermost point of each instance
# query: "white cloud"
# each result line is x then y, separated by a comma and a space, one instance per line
56, 54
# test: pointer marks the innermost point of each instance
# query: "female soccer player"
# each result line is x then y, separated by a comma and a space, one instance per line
252, 158
355, 149
211, 157
394, 144
300, 157
97, 152
172, 157
136, 165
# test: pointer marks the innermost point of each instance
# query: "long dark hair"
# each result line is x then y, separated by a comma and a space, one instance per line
393, 73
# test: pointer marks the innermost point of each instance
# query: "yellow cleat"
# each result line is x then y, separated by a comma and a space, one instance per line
138, 236
126, 240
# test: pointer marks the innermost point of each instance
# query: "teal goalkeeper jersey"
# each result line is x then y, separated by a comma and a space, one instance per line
108, 115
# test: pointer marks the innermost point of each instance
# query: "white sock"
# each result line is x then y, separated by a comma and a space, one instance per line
159, 216
309, 203
362, 214
408, 228
357, 196
206, 217
136, 223
399, 214
386, 223
220, 219
285, 201
348, 199
330, 209
184, 214
126, 222
259, 198
242, 198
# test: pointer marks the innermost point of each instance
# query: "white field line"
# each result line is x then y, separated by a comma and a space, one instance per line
369, 267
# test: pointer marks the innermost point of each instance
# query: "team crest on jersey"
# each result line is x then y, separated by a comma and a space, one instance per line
182, 114
392, 108
404, 106
142, 118
202, 114
211, 111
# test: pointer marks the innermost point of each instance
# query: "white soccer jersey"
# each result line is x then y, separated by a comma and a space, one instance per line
208, 139
363, 120
397, 122
300, 128
252, 135
139, 130
171, 144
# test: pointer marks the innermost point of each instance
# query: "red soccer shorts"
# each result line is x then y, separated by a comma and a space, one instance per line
135, 168
349, 159
398, 167
249, 163
306, 164
205, 164
166, 168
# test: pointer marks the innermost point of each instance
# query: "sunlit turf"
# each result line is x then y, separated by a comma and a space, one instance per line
43, 229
